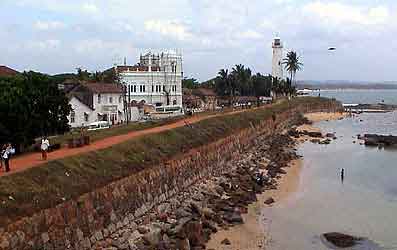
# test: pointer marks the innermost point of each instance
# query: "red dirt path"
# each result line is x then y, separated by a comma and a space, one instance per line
26, 161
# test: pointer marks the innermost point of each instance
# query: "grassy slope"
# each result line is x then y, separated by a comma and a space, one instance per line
47, 185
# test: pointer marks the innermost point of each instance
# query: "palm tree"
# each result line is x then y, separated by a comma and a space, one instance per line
223, 82
292, 64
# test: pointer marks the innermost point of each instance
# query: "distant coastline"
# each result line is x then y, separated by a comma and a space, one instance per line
354, 86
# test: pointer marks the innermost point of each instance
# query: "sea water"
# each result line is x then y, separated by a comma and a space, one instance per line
364, 204
364, 96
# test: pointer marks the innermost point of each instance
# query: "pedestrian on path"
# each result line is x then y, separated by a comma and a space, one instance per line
7, 155
2, 150
45, 144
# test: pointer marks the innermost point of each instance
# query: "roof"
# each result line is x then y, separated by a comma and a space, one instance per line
204, 92
101, 88
6, 71
83, 99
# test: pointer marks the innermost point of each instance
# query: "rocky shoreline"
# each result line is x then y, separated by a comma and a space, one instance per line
188, 220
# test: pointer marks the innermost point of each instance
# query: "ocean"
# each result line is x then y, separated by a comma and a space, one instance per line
363, 205
367, 96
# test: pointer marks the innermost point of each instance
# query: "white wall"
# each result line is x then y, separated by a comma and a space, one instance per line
149, 79
117, 101
277, 66
79, 108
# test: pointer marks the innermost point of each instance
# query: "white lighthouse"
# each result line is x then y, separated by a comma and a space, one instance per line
277, 64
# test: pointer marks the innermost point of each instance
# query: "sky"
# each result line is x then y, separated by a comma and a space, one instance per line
55, 36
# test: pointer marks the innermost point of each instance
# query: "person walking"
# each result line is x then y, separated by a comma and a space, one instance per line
45, 144
7, 155
2, 150
342, 174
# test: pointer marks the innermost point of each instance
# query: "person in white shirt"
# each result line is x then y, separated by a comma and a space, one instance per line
45, 144
6, 156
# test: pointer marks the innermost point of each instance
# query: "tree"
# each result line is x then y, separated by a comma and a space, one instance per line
222, 83
31, 105
241, 80
83, 75
261, 85
292, 64
190, 83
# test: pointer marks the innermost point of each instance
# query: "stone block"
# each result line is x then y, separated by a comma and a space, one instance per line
126, 221
45, 237
80, 235
112, 228
98, 235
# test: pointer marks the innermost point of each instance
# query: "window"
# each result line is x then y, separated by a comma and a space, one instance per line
163, 88
174, 102
110, 99
134, 88
140, 88
85, 117
144, 88
99, 98
120, 99
72, 116
152, 88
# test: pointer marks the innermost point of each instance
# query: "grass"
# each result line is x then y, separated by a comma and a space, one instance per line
52, 183
116, 130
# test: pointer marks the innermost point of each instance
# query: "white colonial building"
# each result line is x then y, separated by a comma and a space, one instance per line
277, 61
93, 102
156, 80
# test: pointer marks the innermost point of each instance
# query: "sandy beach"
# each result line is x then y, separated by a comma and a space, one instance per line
251, 235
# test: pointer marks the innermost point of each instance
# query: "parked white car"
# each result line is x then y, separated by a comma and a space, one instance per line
98, 125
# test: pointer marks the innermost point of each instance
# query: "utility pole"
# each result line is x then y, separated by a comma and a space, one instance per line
129, 104
125, 102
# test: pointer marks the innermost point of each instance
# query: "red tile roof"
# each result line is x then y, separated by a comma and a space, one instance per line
6, 71
100, 87
204, 92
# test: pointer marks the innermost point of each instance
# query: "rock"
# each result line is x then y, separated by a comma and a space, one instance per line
234, 218
183, 244
142, 229
153, 237
330, 135
341, 240
208, 213
269, 201
325, 142
196, 207
226, 241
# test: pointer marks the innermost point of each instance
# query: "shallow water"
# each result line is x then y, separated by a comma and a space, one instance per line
363, 205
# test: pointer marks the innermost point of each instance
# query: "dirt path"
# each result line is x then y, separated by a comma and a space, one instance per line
26, 161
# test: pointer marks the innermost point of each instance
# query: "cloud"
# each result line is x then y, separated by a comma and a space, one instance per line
338, 13
90, 8
171, 28
48, 25
49, 44
251, 34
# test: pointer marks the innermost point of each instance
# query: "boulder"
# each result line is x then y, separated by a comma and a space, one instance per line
269, 201
330, 135
153, 237
226, 241
234, 218
341, 240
